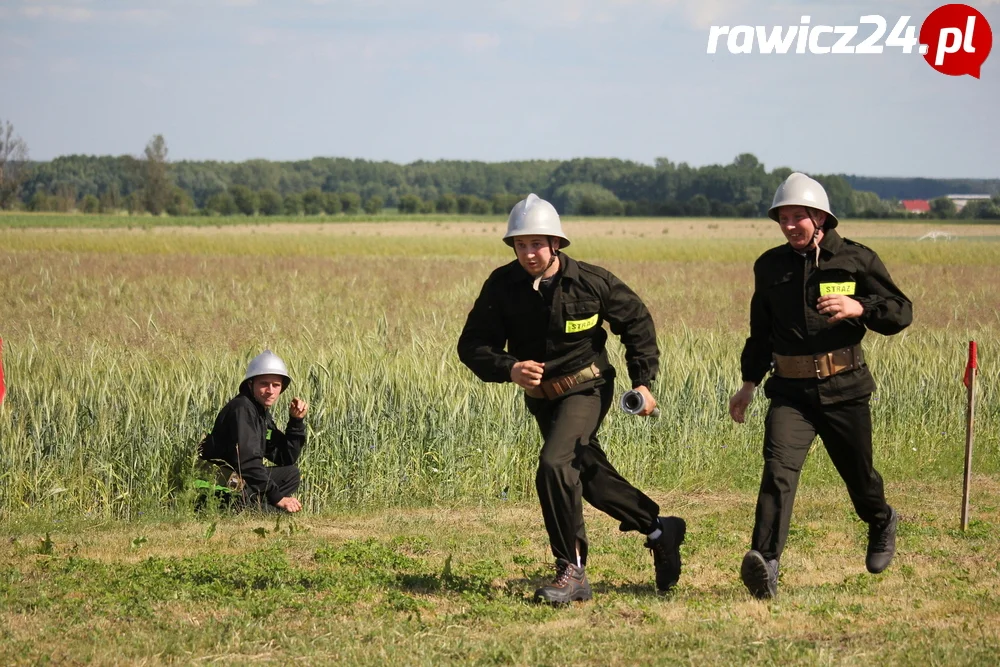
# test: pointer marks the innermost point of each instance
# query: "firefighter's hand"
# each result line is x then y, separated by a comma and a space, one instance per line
289, 504
650, 403
839, 307
740, 401
527, 374
298, 408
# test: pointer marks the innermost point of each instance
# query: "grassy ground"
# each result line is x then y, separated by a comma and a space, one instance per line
452, 585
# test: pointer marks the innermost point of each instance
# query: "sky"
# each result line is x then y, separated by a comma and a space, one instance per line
407, 80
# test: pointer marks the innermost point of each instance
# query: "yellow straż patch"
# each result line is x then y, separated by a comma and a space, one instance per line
573, 326
836, 288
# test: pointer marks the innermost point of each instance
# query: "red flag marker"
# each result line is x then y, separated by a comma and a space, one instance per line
971, 369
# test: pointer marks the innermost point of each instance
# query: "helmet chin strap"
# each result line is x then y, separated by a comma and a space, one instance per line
552, 258
814, 242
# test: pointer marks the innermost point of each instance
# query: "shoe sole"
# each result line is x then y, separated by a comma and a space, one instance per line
892, 554
756, 576
880, 570
580, 597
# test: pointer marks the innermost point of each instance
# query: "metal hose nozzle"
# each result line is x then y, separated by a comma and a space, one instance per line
634, 402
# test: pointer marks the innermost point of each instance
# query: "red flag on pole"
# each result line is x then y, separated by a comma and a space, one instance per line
3, 387
970, 383
970, 367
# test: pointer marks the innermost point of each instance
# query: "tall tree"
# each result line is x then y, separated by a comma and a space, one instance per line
244, 198
312, 201
350, 202
13, 164
156, 181
944, 208
269, 202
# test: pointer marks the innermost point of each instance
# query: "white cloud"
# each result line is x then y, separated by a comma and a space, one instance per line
567, 12
57, 12
705, 13
147, 16
151, 82
699, 13
375, 51
239, 3
79, 14
534, 15
264, 36
19, 41
479, 42
570, 11
64, 66
11, 64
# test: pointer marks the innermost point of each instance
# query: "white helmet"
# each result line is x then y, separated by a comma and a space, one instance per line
800, 190
268, 363
534, 216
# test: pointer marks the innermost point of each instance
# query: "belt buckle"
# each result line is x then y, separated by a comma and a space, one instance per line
819, 374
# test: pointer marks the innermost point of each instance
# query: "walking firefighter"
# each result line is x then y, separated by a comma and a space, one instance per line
814, 298
538, 323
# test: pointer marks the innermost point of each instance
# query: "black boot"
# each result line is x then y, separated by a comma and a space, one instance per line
760, 575
882, 544
667, 551
570, 585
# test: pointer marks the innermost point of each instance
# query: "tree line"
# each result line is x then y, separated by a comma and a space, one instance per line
151, 183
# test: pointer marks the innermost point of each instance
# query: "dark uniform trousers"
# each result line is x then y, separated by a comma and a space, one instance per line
789, 430
286, 478
572, 466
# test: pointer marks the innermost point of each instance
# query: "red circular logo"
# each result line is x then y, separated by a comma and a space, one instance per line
956, 40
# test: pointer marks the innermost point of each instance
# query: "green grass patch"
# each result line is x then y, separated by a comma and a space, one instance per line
454, 586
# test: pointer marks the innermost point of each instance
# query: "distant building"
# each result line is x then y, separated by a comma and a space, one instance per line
962, 200
916, 205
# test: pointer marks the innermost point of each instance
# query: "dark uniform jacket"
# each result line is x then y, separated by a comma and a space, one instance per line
561, 326
784, 318
245, 434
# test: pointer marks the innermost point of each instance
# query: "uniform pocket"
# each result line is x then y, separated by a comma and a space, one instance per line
830, 282
780, 279
781, 290
580, 316
834, 281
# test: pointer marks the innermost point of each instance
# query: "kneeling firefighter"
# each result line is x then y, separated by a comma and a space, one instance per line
538, 323
245, 434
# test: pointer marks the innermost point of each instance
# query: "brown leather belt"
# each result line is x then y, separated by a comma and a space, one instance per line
819, 365
556, 387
